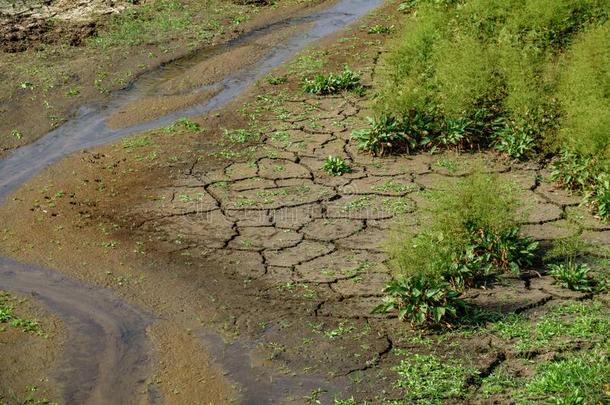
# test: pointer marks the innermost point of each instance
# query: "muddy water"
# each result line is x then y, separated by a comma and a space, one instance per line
107, 349
107, 357
90, 128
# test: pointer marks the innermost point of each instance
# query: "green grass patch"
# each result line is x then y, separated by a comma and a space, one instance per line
392, 186
333, 83
357, 204
240, 136
136, 142
427, 377
150, 23
519, 76
10, 318
575, 379
183, 124
469, 235
571, 321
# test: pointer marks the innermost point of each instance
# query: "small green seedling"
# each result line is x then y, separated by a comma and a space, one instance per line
277, 80
335, 166
15, 133
380, 29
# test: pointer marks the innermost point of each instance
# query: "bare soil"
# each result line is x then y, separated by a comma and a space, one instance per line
29, 24
28, 359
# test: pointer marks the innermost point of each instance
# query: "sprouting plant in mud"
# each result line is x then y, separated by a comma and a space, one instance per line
517, 143
357, 204
431, 378
392, 186
333, 83
586, 174
335, 166
185, 124
72, 92
8, 316
315, 396
574, 276
16, 134
383, 135
239, 136
277, 80
342, 329
136, 142
421, 300
380, 29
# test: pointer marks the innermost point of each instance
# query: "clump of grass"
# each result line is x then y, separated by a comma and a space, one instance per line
499, 382
8, 316
566, 266
586, 174
15, 133
469, 237
383, 135
518, 143
333, 83
380, 29
469, 234
574, 276
335, 166
583, 93
522, 77
239, 136
183, 123
421, 300
570, 321
426, 377
308, 63
136, 142
573, 379
277, 80
149, 23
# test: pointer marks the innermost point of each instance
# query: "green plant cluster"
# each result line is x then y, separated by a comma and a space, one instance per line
520, 76
421, 300
490, 64
380, 29
573, 379
335, 166
384, 134
183, 123
469, 237
427, 377
566, 265
8, 316
149, 22
574, 276
240, 135
333, 83
586, 174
